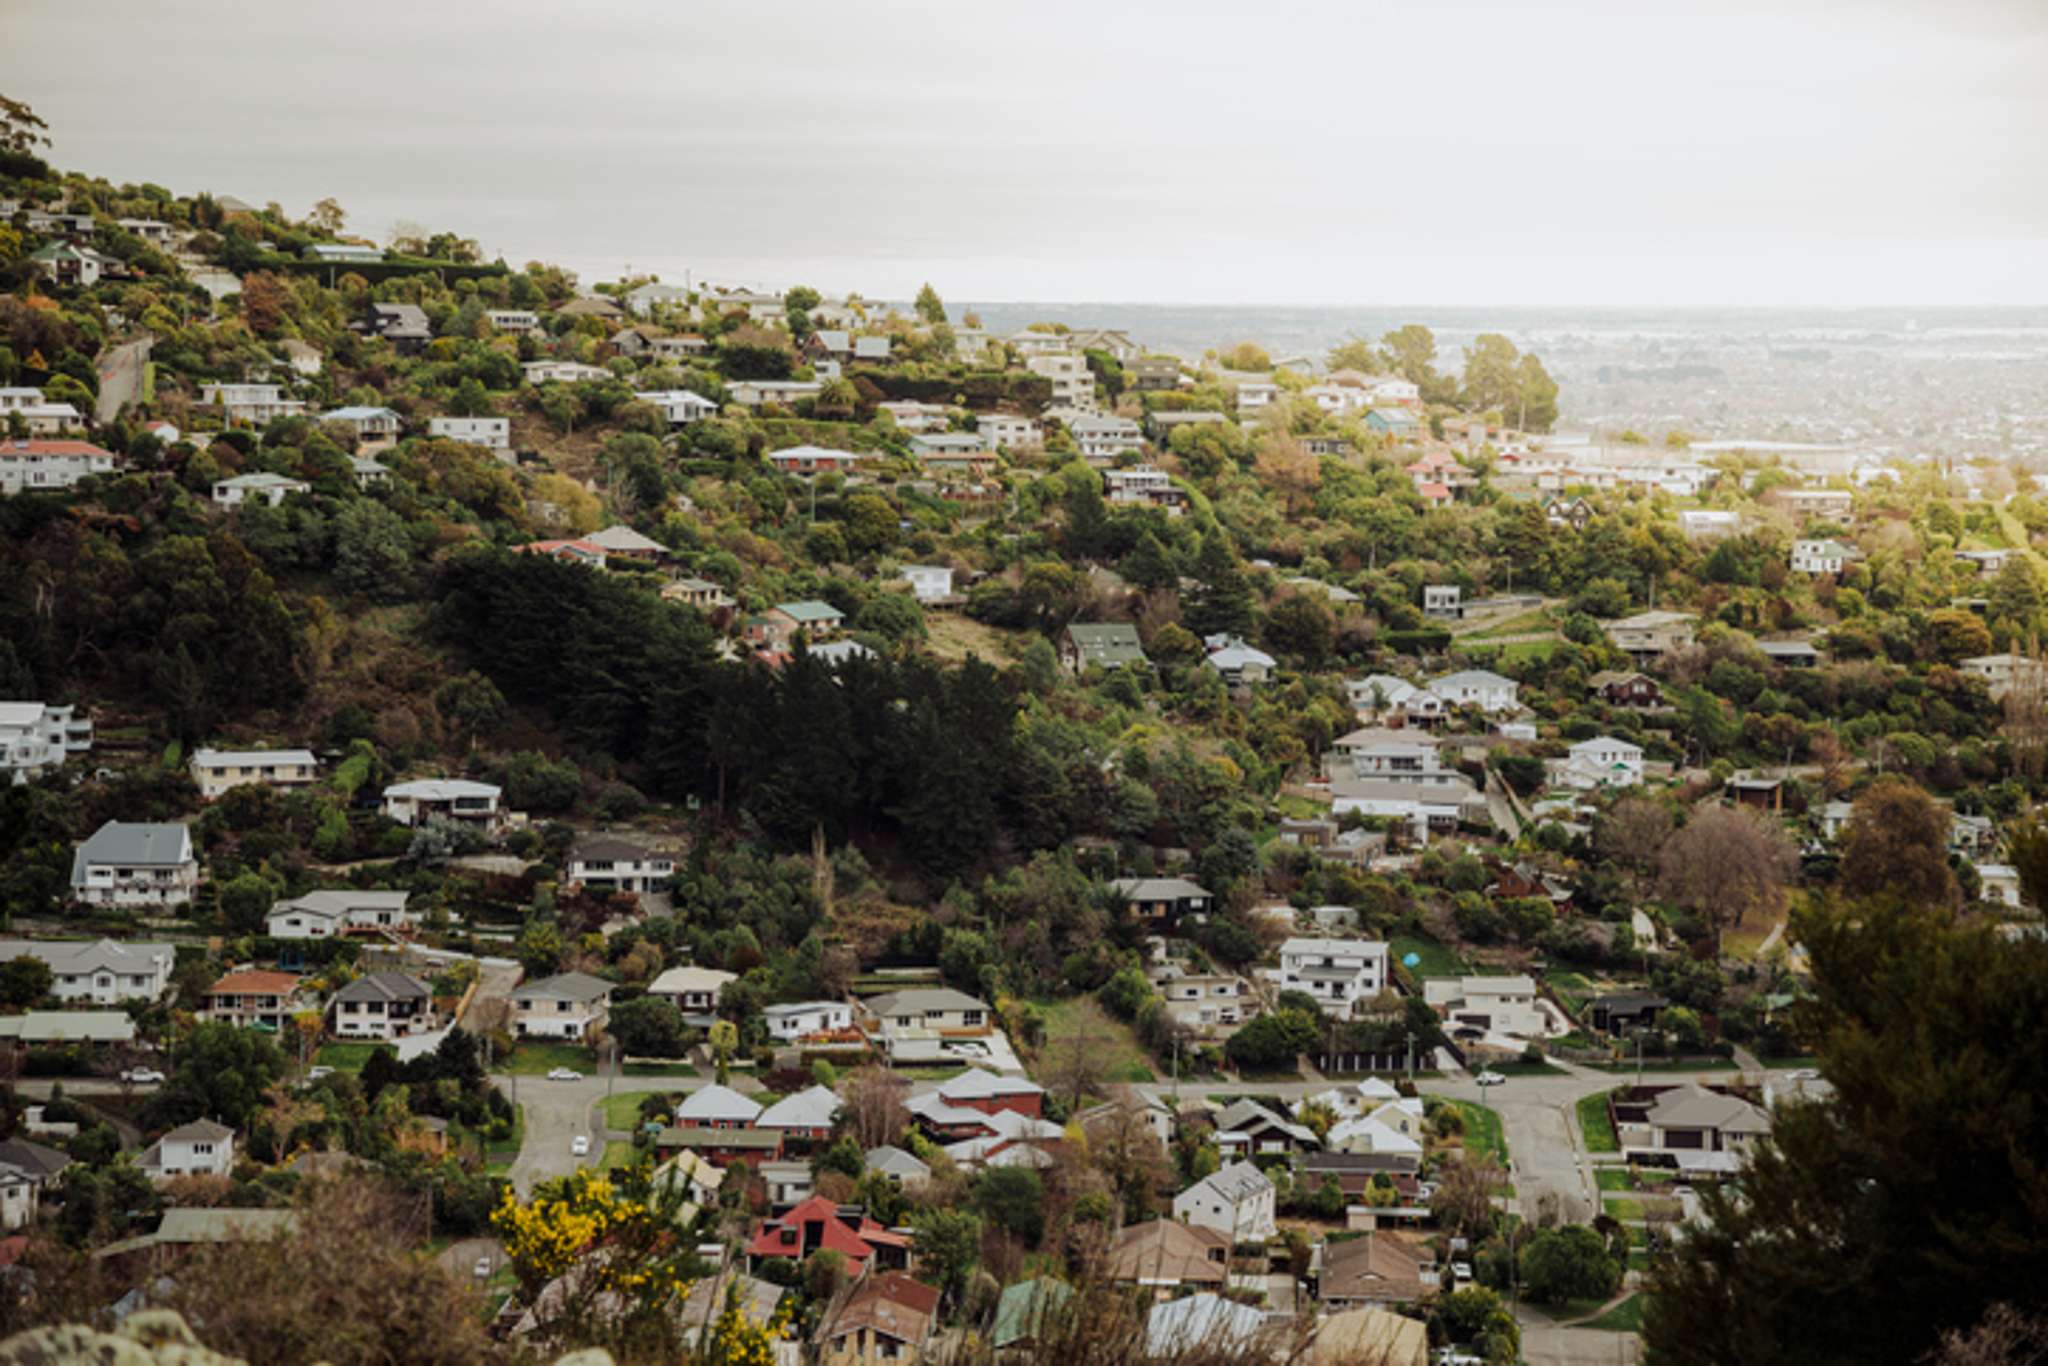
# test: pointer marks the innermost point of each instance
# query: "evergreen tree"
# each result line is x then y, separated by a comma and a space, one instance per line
1222, 598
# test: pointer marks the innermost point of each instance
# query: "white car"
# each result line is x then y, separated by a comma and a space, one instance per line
143, 1076
483, 1268
565, 1074
579, 1146
316, 1073
1461, 1272
1489, 1079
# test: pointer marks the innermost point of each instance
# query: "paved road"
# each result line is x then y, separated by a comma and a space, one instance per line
121, 377
557, 1111
1545, 1344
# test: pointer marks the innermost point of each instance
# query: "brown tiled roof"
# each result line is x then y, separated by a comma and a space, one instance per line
1168, 1250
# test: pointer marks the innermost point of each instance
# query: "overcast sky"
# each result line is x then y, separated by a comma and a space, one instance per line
1347, 152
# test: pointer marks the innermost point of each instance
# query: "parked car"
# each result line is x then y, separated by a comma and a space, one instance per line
579, 1146
1461, 1272
482, 1269
565, 1074
1489, 1079
316, 1073
143, 1076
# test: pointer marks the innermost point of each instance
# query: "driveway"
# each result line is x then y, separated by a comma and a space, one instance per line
120, 372
1549, 1345
557, 1111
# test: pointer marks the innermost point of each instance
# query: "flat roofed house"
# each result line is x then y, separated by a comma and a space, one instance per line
1499, 1005
1649, 636
248, 488
1163, 900
36, 737
374, 427
566, 1006
217, 771
456, 799
487, 433
794, 1020
1339, 973
130, 864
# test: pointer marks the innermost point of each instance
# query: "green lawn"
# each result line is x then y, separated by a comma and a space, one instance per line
1482, 1130
1124, 1058
1572, 988
657, 1069
1434, 959
1668, 1065
1625, 1208
1525, 623
1614, 1178
1626, 1317
616, 1155
498, 1161
532, 1058
622, 1111
346, 1057
1596, 1125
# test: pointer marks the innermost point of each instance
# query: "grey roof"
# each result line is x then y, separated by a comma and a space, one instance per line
69, 1026
252, 758
129, 845
1238, 1181
1693, 1107
625, 540
198, 1131
77, 956
717, 1102
921, 999
567, 986
383, 986
809, 610
1107, 642
39, 1162
802, 1007
811, 1108
1158, 888
891, 1160
1248, 1113
339, 901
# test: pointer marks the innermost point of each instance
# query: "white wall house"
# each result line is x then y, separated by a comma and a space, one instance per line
1608, 761
1339, 973
567, 1006
607, 861
201, 1148
692, 990
680, 406
334, 911
490, 433
1481, 688
251, 403
39, 465
929, 582
36, 737
793, 1021
1237, 1201
1102, 438
2000, 883
562, 372
1499, 1005
100, 972
253, 488
451, 798
1009, 431
219, 770
124, 864
1820, 557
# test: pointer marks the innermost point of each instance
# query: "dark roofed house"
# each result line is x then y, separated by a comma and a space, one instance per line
1380, 1269
381, 1005
1108, 644
882, 1318
1624, 1010
1163, 900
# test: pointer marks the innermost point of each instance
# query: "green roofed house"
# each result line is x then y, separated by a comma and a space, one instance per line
1020, 1313
1108, 644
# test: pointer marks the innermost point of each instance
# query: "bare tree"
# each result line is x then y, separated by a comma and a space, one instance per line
1463, 1202
1078, 1061
1727, 863
873, 1106
2003, 1337
1633, 833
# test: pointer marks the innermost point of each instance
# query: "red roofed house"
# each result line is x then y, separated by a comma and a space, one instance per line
818, 1223
39, 465
1436, 495
254, 1000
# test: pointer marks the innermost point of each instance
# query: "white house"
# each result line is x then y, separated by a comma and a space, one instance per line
752, 393
516, 321
1100, 437
603, 860
453, 798
1699, 524
1610, 762
1338, 973
98, 972
251, 403
1206, 1001
797, 1019
679, 406
381, 1005
374, 427
1073, 383
1499, 1005
1437, 807
43, 465
125, 864
1255, 395
2003, 673
1481, 688
1237, 1201
692, 990
36, 737
567, 1006
491, 433
268, 488
1008, 431
201, 1148
335, 911
562, 372
1240, 664
219, 770
929, 582
1820, 557
2000, 882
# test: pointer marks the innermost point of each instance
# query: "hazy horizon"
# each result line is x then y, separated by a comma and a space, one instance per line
1815, 153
